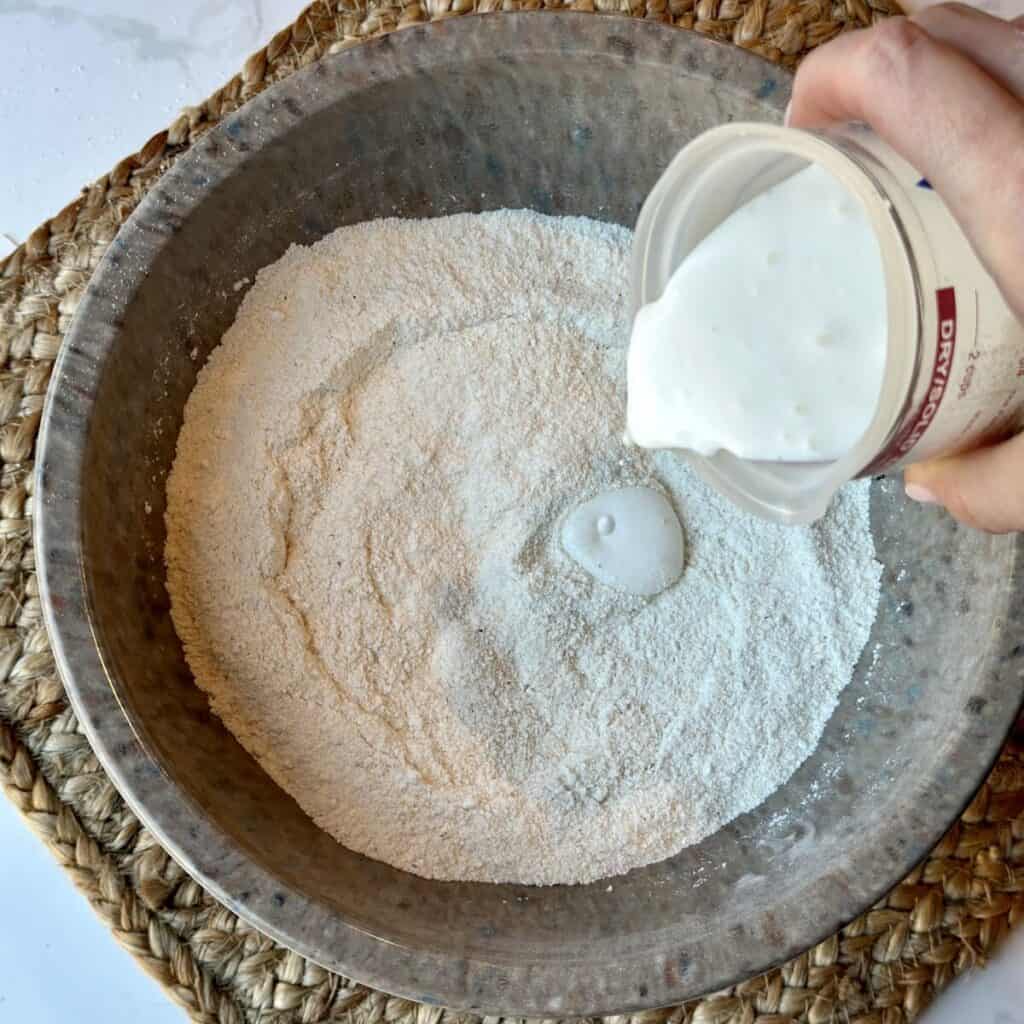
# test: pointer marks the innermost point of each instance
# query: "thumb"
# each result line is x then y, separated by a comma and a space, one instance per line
983, 488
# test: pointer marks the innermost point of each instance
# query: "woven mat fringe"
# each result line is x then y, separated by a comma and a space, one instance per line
883, 968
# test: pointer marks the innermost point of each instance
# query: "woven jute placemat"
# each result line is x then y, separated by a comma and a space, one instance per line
883, 968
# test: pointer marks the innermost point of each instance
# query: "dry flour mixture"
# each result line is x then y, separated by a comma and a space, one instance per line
365, 565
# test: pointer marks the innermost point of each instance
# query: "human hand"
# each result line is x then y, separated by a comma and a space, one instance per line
945, 89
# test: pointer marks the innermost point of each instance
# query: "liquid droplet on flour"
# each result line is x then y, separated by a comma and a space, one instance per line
629, 538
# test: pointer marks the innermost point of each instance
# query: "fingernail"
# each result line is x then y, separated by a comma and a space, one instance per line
785, 116
917, 492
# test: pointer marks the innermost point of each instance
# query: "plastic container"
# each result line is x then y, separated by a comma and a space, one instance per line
954, 375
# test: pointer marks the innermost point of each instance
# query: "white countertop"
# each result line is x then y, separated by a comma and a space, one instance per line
81, 85
80, 88
84, 84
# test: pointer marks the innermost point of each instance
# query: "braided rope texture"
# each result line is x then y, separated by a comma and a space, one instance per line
883, 968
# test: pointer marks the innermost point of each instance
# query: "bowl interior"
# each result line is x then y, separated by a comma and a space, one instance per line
568, 115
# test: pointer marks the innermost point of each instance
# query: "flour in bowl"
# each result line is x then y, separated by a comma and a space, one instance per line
365, 565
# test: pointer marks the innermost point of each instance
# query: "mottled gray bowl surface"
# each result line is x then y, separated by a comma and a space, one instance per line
567, 114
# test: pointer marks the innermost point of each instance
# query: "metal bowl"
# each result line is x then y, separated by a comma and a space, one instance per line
568, 114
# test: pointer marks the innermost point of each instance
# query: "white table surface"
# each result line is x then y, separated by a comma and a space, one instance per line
80, 87
82, 84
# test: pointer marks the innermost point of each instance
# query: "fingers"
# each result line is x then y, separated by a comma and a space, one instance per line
995, 46
950, 119
984, 488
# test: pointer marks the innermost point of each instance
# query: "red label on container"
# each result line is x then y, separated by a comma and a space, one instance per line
945, 347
